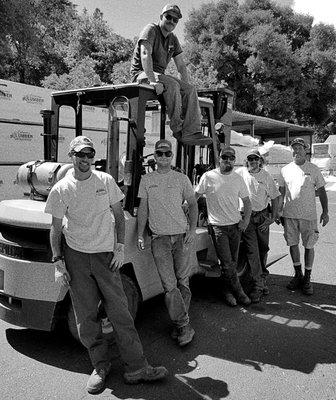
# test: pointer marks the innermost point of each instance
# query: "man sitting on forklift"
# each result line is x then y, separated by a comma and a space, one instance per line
156, 45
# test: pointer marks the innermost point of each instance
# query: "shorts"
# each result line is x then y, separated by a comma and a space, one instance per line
308, 229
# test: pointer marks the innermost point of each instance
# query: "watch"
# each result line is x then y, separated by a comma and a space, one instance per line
57, 258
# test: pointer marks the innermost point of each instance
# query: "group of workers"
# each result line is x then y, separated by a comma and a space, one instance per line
89, 259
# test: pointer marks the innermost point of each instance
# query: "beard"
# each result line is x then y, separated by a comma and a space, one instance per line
226, 168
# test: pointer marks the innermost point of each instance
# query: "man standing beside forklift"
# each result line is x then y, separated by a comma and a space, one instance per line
156, 45
162, 193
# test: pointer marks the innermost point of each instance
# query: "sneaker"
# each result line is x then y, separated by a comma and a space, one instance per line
97, 379
145, 374
255, 295
265, 289
243, 299
186, 334
295, 283
229, 299
307, 288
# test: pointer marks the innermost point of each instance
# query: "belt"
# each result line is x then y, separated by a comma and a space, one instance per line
254, 213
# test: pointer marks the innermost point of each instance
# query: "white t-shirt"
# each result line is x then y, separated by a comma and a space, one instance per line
261, 187
300, 182
166, 194
222, 194
89, 221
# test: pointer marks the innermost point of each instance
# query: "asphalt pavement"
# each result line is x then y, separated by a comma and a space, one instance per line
281, 348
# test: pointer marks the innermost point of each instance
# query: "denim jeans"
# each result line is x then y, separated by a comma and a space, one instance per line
92, 281
182, 104
256, 244
226, 239
171, 256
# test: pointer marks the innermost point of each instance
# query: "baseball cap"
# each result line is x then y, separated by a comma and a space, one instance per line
253, 152
300, 141
80, 143
172, 8
228, 151
163, 144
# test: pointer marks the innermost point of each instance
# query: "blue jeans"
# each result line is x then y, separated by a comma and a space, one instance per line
182, 104
92, 281
256, 244
171, 256
226, 239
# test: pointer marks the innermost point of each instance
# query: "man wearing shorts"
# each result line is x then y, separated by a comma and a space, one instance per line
298, 183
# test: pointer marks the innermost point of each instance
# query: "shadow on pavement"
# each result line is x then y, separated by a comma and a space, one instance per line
287, 330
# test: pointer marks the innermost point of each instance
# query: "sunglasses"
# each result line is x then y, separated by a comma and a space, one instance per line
82, 154
171, 18
226, 158
164, 153
252, 158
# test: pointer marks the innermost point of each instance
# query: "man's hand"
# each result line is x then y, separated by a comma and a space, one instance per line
190, 236
141, 243
324, 219
62, 275
264, 226
118, 257
158, 86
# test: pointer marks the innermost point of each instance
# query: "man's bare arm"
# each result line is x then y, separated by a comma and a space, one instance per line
147, 65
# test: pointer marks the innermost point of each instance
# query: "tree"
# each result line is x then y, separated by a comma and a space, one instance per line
92, 37
33, 36
80, 75
275, 61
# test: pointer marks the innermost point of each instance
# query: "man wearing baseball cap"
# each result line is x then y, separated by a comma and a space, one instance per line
223, 188
262, 192
162, 193
299, 182
156, 45
88, 202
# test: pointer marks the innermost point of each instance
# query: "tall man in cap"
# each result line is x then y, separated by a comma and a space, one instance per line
223, 188
88, 203
156, 45
162, 193
262, 191
299, 183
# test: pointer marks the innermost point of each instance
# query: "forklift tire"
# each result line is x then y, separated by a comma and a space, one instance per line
133, 298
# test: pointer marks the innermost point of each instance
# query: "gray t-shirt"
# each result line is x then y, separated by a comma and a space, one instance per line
222, 194
165, 194
89, 221
300, 182
163, 49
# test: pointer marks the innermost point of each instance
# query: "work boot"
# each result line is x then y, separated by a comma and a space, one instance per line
196, 139
255, 295
297, 280
145, 374
229, 298
97, 379
185, 336
307, 286
238, 291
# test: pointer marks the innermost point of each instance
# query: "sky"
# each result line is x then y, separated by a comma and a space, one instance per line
128, 17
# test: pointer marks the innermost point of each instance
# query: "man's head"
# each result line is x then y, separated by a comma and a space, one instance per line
163, 152
169, 17
82, 152
227, 159
253, 160
299, 149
